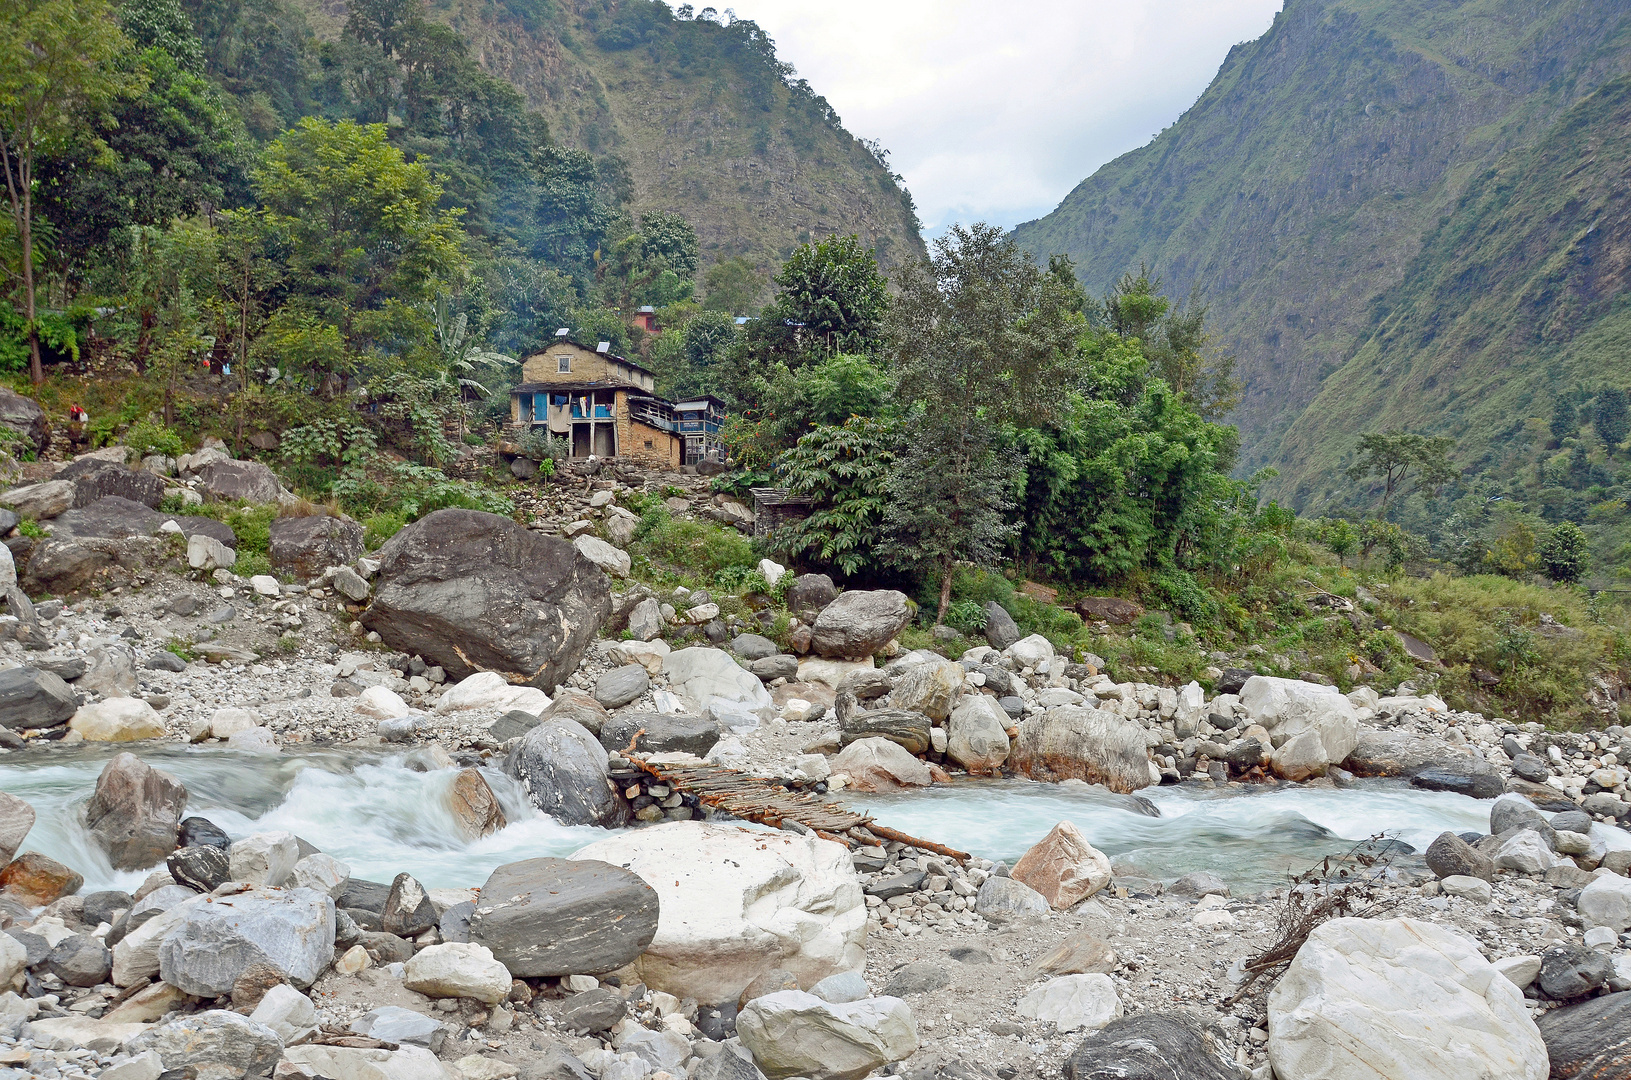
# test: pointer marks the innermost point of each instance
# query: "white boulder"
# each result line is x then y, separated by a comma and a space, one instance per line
1399, 999
381, 703
703, 674
354, 1063
288, 1012
791, 1033
1311, 726
490, 690
1028, 652
457, 970
1527, 853
614, 561
117, 719
876, 764
1073, 1002
977, 734
1607, 902
264, 858
735, 903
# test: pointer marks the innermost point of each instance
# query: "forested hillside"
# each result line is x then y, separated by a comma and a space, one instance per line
693, 115
1407, 207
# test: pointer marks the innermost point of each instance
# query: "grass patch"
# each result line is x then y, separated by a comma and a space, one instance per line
669, 551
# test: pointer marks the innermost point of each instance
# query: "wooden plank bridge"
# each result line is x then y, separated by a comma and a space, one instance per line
754, 798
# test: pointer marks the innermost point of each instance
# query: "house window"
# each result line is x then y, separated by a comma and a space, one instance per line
648, 444
563, 364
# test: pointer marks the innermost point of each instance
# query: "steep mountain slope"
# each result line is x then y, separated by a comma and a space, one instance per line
1305, 181
709, 122
1524, 292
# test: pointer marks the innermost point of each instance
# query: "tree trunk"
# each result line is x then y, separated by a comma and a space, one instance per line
945, 592
36, 369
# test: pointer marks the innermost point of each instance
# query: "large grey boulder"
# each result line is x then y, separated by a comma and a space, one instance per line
94, 480
1001, 899
1419, 998
1589, 1041
110, 671
1150, 1046
80, 960
24, 416
306, 546
239, 481
1075, 742
200, 866
909, 730
291, 930
216, 1044
703, 674
1451, 856
64, 566
621, 685
791, 1033
471, 591
551, 917
16, 819
392, 1023
930, 688
111, 516
1001, 630
860, 622
30, 698
134, 812
41, 501
562, 767
811, 592
662, 733
408, 911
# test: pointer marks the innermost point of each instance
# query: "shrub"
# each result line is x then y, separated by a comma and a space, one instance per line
692, 550
146, 437
381, 527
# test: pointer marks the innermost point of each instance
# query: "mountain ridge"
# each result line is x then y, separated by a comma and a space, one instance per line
1314, 169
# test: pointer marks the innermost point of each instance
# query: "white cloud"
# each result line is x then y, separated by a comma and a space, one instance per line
993, 112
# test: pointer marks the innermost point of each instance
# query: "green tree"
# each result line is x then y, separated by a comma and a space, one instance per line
734, 286
57, 66
1611, 418
1134, 306
844, 470
361, 224
576, 202
1564, 553
1341, 538
1125, 478
1395, 455
829, 299
171, 148
980, 337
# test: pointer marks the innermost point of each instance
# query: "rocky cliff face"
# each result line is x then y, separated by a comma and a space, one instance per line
1317, 168
705, 116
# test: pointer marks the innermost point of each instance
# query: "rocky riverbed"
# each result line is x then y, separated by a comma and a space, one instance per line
523, 674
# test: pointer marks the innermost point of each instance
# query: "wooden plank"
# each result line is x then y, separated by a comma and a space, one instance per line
754, 798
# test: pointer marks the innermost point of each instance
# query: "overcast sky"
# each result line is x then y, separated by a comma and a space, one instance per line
993, 112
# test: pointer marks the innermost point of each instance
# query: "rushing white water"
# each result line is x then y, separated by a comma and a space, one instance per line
373, 812
370, 811
1251, 837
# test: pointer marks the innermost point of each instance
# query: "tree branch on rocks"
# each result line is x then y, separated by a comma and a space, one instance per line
1346, 886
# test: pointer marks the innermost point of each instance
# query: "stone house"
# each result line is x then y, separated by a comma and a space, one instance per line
605, 405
